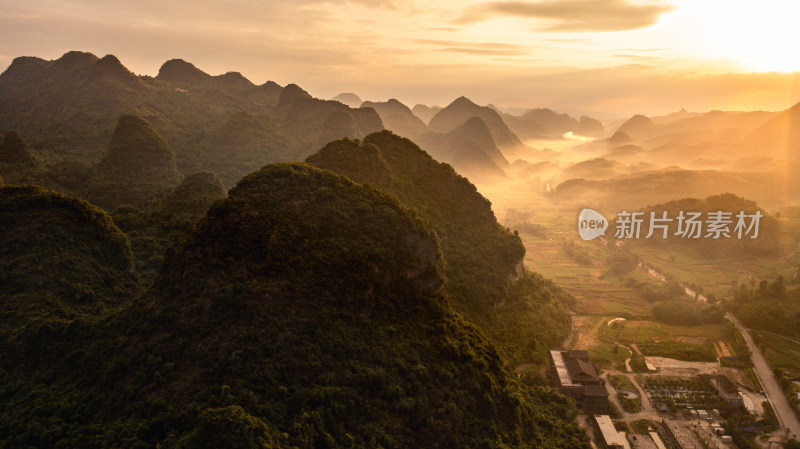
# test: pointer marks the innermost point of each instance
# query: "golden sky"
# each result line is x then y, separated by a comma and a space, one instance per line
615, 57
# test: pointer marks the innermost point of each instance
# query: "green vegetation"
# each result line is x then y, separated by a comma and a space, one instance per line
638, 363
689, 312
576, 252
621, 262
61, 259
754, 382
770, 305
630, 405
138, 169
691, 343
17, 164
609, 355
524, 314
733, 426
154, 230
769, 414
303, 311
643, 426
781, 353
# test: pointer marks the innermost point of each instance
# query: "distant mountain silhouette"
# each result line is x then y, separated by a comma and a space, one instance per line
425, 113
79, 97
187, 76
349, 99
557, 124
338, 125
638, 126
588, 126
138, 168
543, 123
781, 134
462, 109
619, 138
398, 118
470, 149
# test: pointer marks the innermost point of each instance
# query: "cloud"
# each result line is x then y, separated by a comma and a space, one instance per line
475, 48
635, 57
572, 15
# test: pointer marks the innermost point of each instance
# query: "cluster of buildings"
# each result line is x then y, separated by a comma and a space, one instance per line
575, 377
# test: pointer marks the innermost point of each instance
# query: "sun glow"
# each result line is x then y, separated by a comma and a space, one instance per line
759, 35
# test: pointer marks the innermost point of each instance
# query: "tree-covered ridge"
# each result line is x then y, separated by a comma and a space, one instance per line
184, 206
60, 258
154, 229
769, 304
17, 164
524, 314
303, 311
67, 109
138, 168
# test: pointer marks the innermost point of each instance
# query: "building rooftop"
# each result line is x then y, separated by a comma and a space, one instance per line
582, 371
609, 432
595, 391
561, 368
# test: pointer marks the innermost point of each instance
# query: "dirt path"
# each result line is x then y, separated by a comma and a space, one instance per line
585, 339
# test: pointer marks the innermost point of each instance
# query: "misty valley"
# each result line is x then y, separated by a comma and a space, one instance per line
197, 261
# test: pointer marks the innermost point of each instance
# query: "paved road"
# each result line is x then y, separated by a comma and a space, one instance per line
771, 388
780, 405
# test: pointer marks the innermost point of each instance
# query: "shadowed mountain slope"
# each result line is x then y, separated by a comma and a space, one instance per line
303, 311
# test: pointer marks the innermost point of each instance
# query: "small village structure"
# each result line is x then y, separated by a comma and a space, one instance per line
728, 391
675, 435
571, 372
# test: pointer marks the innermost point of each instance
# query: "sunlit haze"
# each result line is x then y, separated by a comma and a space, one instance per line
615, 57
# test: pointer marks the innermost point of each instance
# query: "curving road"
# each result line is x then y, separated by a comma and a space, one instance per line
772, 389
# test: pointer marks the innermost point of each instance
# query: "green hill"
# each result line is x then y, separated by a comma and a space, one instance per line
189, 202
523, 314
60, 258
17, 164
155, 229
138, 168
304, 311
